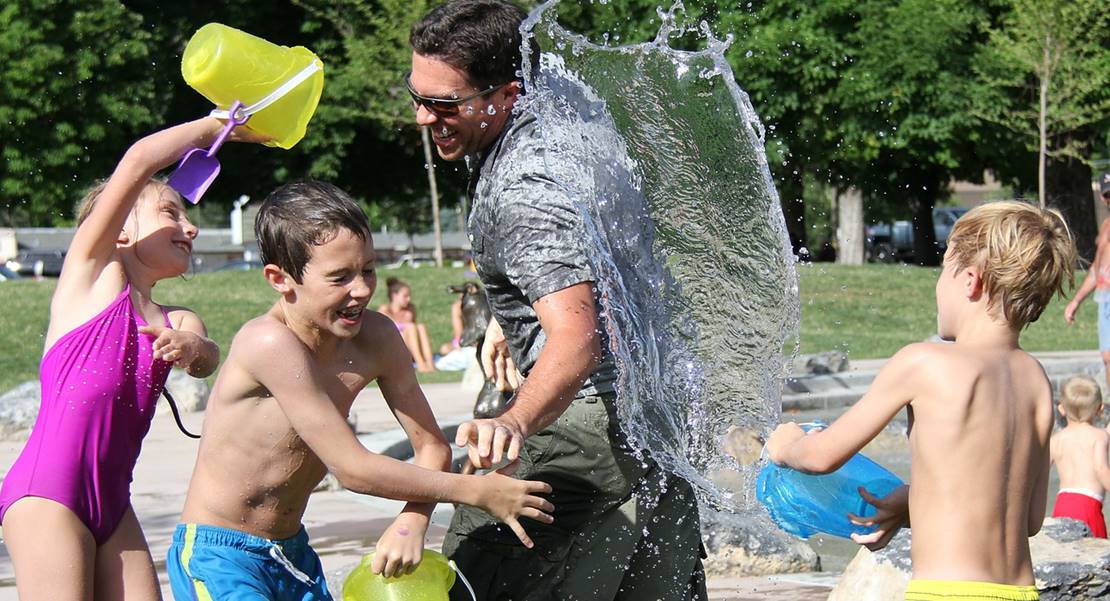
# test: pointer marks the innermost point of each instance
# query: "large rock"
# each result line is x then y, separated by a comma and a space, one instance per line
18, 409
749, 545
1067, 563
190, 394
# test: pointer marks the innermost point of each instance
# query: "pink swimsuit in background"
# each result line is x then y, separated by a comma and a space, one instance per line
99, 388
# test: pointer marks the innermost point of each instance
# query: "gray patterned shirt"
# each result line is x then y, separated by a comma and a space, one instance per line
528, 241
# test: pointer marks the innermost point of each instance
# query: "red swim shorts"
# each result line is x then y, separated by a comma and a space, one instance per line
1084, 508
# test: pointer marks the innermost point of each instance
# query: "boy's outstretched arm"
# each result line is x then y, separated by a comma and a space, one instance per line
401, 546
283, 365
821, 452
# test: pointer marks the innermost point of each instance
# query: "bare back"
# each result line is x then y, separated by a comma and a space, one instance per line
254, 472
980, 427
1073, 452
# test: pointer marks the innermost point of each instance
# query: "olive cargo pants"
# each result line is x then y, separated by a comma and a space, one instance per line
624, 529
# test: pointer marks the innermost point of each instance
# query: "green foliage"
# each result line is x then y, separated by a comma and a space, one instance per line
75, 90
1062, 45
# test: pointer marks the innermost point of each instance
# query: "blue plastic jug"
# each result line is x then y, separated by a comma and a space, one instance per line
805, 504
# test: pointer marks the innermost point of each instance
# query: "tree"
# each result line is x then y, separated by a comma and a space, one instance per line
790, 56
75, 90
905, 122
367, 118
1046, 74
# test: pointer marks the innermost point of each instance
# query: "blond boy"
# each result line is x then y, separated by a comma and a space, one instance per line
1079, 452
276, 420
980, 412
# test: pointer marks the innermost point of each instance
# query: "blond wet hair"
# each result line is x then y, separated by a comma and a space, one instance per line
92, 194
1081, 399
1025, 255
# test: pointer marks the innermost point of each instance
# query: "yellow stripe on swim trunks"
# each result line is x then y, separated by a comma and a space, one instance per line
186, 555
960, 590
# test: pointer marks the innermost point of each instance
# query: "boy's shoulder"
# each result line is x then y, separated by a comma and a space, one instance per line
376, 325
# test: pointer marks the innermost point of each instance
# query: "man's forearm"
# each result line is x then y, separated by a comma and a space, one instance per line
552, 384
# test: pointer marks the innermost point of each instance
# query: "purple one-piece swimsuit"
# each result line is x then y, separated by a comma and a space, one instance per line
100, 384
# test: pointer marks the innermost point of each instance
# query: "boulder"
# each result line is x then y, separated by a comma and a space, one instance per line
829, 362
190, 394
1067, 564
750, 545
18, 409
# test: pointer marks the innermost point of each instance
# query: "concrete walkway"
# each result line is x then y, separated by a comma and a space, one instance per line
343, 525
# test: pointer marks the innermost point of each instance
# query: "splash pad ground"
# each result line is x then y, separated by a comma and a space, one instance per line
344, 526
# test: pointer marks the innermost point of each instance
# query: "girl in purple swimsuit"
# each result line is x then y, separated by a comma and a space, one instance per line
65, 503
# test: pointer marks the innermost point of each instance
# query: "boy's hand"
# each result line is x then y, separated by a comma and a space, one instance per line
401, 546
174, 346
892, 515
785, 435
497, 362
508, 499
488, 441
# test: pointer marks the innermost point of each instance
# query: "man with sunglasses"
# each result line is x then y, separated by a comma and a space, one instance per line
623, 528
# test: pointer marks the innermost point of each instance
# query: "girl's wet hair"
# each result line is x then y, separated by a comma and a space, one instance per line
1025, 255
88, 201
299, 215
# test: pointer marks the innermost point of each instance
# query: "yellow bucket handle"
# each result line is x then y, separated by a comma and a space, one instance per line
274, 96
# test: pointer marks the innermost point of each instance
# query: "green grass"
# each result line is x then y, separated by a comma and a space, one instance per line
869, 311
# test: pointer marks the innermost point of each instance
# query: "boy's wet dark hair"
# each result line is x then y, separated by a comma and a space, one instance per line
299, 215
481, 37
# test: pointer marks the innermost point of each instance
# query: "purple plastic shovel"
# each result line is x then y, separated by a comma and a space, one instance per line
199, 167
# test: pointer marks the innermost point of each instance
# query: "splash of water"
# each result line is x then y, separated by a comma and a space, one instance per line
663, 152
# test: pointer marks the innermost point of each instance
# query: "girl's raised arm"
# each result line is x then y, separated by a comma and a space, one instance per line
95, 239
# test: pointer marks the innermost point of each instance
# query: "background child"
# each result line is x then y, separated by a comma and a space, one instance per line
275, 422
403, 313
65, 503
980, 412
1079, 452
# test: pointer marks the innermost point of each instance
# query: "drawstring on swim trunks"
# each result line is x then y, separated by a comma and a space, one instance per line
279, 556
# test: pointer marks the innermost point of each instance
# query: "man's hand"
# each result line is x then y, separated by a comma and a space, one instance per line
497, 363
488, 441
785, 435
401, 546
175, 346
892, 515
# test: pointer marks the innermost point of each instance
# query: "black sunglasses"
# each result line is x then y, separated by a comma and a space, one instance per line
445, 107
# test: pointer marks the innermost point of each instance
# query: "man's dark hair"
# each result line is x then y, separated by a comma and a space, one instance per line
299, 215
481, 37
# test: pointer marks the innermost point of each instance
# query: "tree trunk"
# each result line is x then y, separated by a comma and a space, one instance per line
849, 227
1042, 127
924, 190
1068, 188
430, 160
791, 188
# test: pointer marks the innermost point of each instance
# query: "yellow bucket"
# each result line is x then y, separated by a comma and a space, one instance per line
279, 86
431, 581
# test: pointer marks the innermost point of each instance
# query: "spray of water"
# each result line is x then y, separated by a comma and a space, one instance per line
663, 152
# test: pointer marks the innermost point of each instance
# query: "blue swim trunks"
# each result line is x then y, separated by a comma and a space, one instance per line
206, 562
1104, 325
